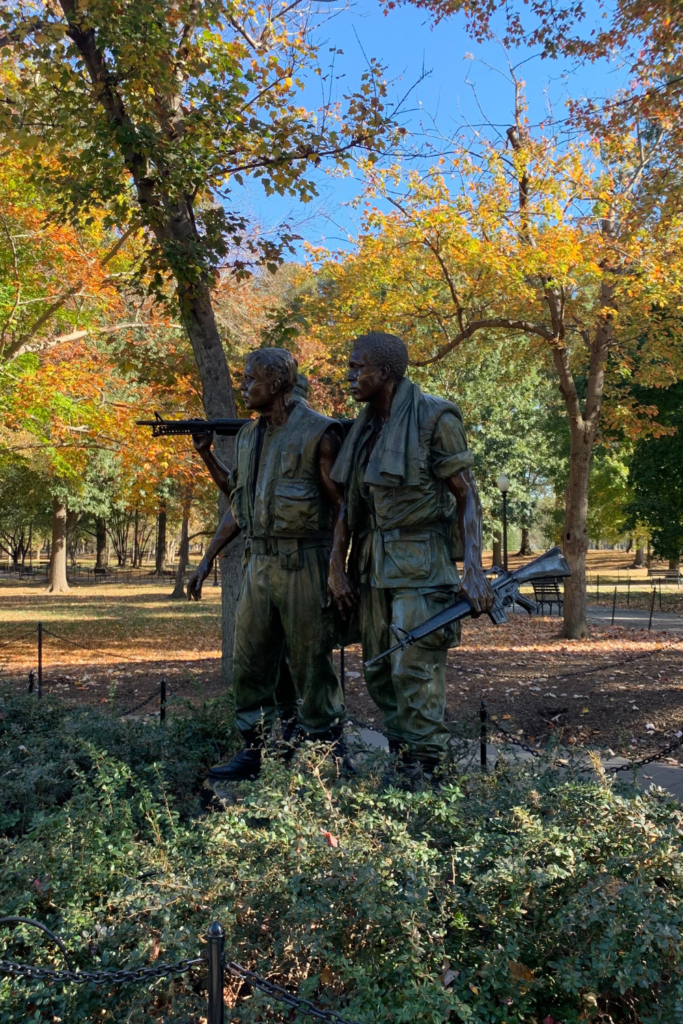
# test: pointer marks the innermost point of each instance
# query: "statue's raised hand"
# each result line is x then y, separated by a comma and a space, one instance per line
202, 442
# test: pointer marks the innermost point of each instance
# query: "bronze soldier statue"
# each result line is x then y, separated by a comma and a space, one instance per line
286, 504
406, 471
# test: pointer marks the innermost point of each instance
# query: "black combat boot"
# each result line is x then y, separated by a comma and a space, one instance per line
338, 748
289, 738
410, 772
245, 766
341, 753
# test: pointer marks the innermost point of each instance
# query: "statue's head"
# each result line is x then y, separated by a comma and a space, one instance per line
375, 359
267, 373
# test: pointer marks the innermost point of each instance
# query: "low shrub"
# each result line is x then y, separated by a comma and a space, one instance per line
518, 896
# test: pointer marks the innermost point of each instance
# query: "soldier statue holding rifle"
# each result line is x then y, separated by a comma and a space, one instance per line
288, 507
406, 471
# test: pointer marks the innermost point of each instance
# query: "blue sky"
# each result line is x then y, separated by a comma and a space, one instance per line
407, 45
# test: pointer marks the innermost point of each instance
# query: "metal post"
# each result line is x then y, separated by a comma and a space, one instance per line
40, 659
652, 606
482, 735
31, 681
660, 593
614, 604
215, 573
628, 593
216, 940
342, 669
162, 700
505, 531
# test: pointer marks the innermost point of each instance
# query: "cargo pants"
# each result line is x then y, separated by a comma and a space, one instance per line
283, 600
409, 687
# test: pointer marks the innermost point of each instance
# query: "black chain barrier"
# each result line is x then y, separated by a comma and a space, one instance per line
113, 977
303, 1006
603, 668
628, 767
214, 959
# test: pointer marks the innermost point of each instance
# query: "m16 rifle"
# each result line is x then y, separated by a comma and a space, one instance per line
226, 428
505, 586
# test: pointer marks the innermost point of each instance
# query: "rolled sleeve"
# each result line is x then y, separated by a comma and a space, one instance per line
449, 452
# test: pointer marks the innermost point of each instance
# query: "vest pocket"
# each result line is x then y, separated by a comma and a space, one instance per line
408, 557
295, 506
289, 463
239, 505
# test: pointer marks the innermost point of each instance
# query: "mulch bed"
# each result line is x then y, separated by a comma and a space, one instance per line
620, 689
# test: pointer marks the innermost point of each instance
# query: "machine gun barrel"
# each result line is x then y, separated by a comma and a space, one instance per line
225, 428
551, 565
175, 428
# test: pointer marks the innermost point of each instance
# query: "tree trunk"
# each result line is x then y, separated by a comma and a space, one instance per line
160, 563
183, 556
135, 539
525, 546
639, 560
674, 563
101, 561
629, 546
497, 548
57, 582
575, 535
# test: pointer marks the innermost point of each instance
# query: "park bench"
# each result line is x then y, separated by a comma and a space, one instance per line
548, 592
666, 576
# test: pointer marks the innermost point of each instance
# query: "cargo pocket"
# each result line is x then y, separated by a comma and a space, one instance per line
295, 506
447, 636
408, 558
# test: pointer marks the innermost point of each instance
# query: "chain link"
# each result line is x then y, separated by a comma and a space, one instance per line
114, 977
634, 765
516, 742
304, 1006
136, 707
629, 766
140, 974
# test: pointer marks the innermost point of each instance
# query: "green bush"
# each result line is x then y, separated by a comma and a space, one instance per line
510, 897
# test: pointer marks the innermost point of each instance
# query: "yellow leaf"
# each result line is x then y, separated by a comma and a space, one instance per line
326, 976
520, 971
474, 989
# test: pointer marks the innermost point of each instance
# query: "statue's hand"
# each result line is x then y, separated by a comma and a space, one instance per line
476, 587
194, 584
202, 442
340, 589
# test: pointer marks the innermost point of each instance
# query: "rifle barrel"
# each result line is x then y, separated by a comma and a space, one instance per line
225, 428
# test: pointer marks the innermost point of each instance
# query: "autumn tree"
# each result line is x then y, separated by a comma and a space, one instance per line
153, 110
524, 239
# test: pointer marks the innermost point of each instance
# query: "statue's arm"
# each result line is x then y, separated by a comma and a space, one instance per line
221, 476
339, 586
227, 531
474, 584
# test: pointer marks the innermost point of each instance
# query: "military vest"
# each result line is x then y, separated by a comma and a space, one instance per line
407, 535
428, 503
291, 501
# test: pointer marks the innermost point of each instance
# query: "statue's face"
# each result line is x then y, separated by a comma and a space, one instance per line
365, 379
257, 389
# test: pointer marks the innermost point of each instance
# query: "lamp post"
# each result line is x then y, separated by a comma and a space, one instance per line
504, 486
